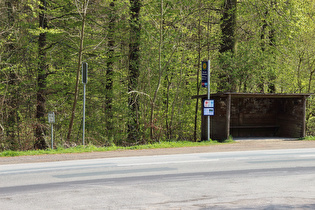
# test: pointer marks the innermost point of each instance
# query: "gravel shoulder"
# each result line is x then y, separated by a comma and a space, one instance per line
238, 145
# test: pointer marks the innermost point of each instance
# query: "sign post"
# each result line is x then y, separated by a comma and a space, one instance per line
205, 82
51, 120
84, 81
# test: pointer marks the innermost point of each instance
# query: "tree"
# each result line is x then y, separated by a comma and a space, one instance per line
82, 12
41, 79
268, 33
12, 102
198, 71
227, 46
109, 71
134, 69
147, 54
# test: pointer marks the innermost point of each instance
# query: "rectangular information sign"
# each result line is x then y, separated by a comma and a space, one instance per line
208, 103
51, 117
84, 72
204, 74
208, 111
208, 107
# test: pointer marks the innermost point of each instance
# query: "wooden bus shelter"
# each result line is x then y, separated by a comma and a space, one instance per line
255, 115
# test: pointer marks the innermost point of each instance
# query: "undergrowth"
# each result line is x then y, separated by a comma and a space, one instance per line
93, 148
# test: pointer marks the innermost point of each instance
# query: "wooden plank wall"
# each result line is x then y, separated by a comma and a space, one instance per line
252, 116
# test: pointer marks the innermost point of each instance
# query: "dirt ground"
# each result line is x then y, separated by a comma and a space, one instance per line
239, 145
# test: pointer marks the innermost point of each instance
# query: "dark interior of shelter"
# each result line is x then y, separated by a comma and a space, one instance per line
255, 115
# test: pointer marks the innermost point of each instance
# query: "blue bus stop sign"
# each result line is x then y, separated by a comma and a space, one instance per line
204, 74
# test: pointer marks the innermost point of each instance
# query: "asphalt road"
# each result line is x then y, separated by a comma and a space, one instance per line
262, 179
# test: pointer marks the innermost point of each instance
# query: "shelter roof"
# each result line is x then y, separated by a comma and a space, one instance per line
255, 95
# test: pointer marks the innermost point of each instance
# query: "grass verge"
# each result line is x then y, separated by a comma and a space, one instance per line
92, 148
308, 138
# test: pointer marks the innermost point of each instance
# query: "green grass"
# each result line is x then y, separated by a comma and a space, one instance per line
308, 138
92, 148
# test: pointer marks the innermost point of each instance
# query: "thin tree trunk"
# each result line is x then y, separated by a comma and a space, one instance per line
85, 5
272, 42
12, 101
299, 82
109, 71
167, 103
177, 96
160, 71
261, 83
312, 71
198, 72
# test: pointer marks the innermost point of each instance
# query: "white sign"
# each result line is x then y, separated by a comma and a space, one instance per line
208, 103
51, 117
208, 111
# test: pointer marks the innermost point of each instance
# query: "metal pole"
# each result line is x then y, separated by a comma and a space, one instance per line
52, 136
51, 120
83, 114
208, 97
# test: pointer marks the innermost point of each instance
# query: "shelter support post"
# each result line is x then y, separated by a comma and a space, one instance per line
304, 118
228, 115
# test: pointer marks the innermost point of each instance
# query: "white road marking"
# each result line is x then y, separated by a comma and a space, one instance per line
309, 155
167, 162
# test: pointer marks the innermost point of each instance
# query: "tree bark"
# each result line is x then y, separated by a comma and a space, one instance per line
228, 26
40, 130
12, 100
160, 71
198, 72
76, 91
271, 41
109, 71
134, 61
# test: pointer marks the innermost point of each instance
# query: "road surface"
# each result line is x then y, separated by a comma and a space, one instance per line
262, 179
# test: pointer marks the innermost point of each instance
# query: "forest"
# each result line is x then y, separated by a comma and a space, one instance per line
144, 65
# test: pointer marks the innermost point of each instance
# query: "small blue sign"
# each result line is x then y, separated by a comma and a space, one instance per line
204, 74
208, 111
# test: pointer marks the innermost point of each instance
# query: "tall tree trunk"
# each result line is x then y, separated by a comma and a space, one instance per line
76, 90
261, 83
134, 61
198, 72
109, 71
40, 130
270, 36
228, 26
160, 70
168, 81
12, 100
272, 42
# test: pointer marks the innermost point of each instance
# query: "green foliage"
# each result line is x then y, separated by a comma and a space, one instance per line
308, 138
274, 47
93, 148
